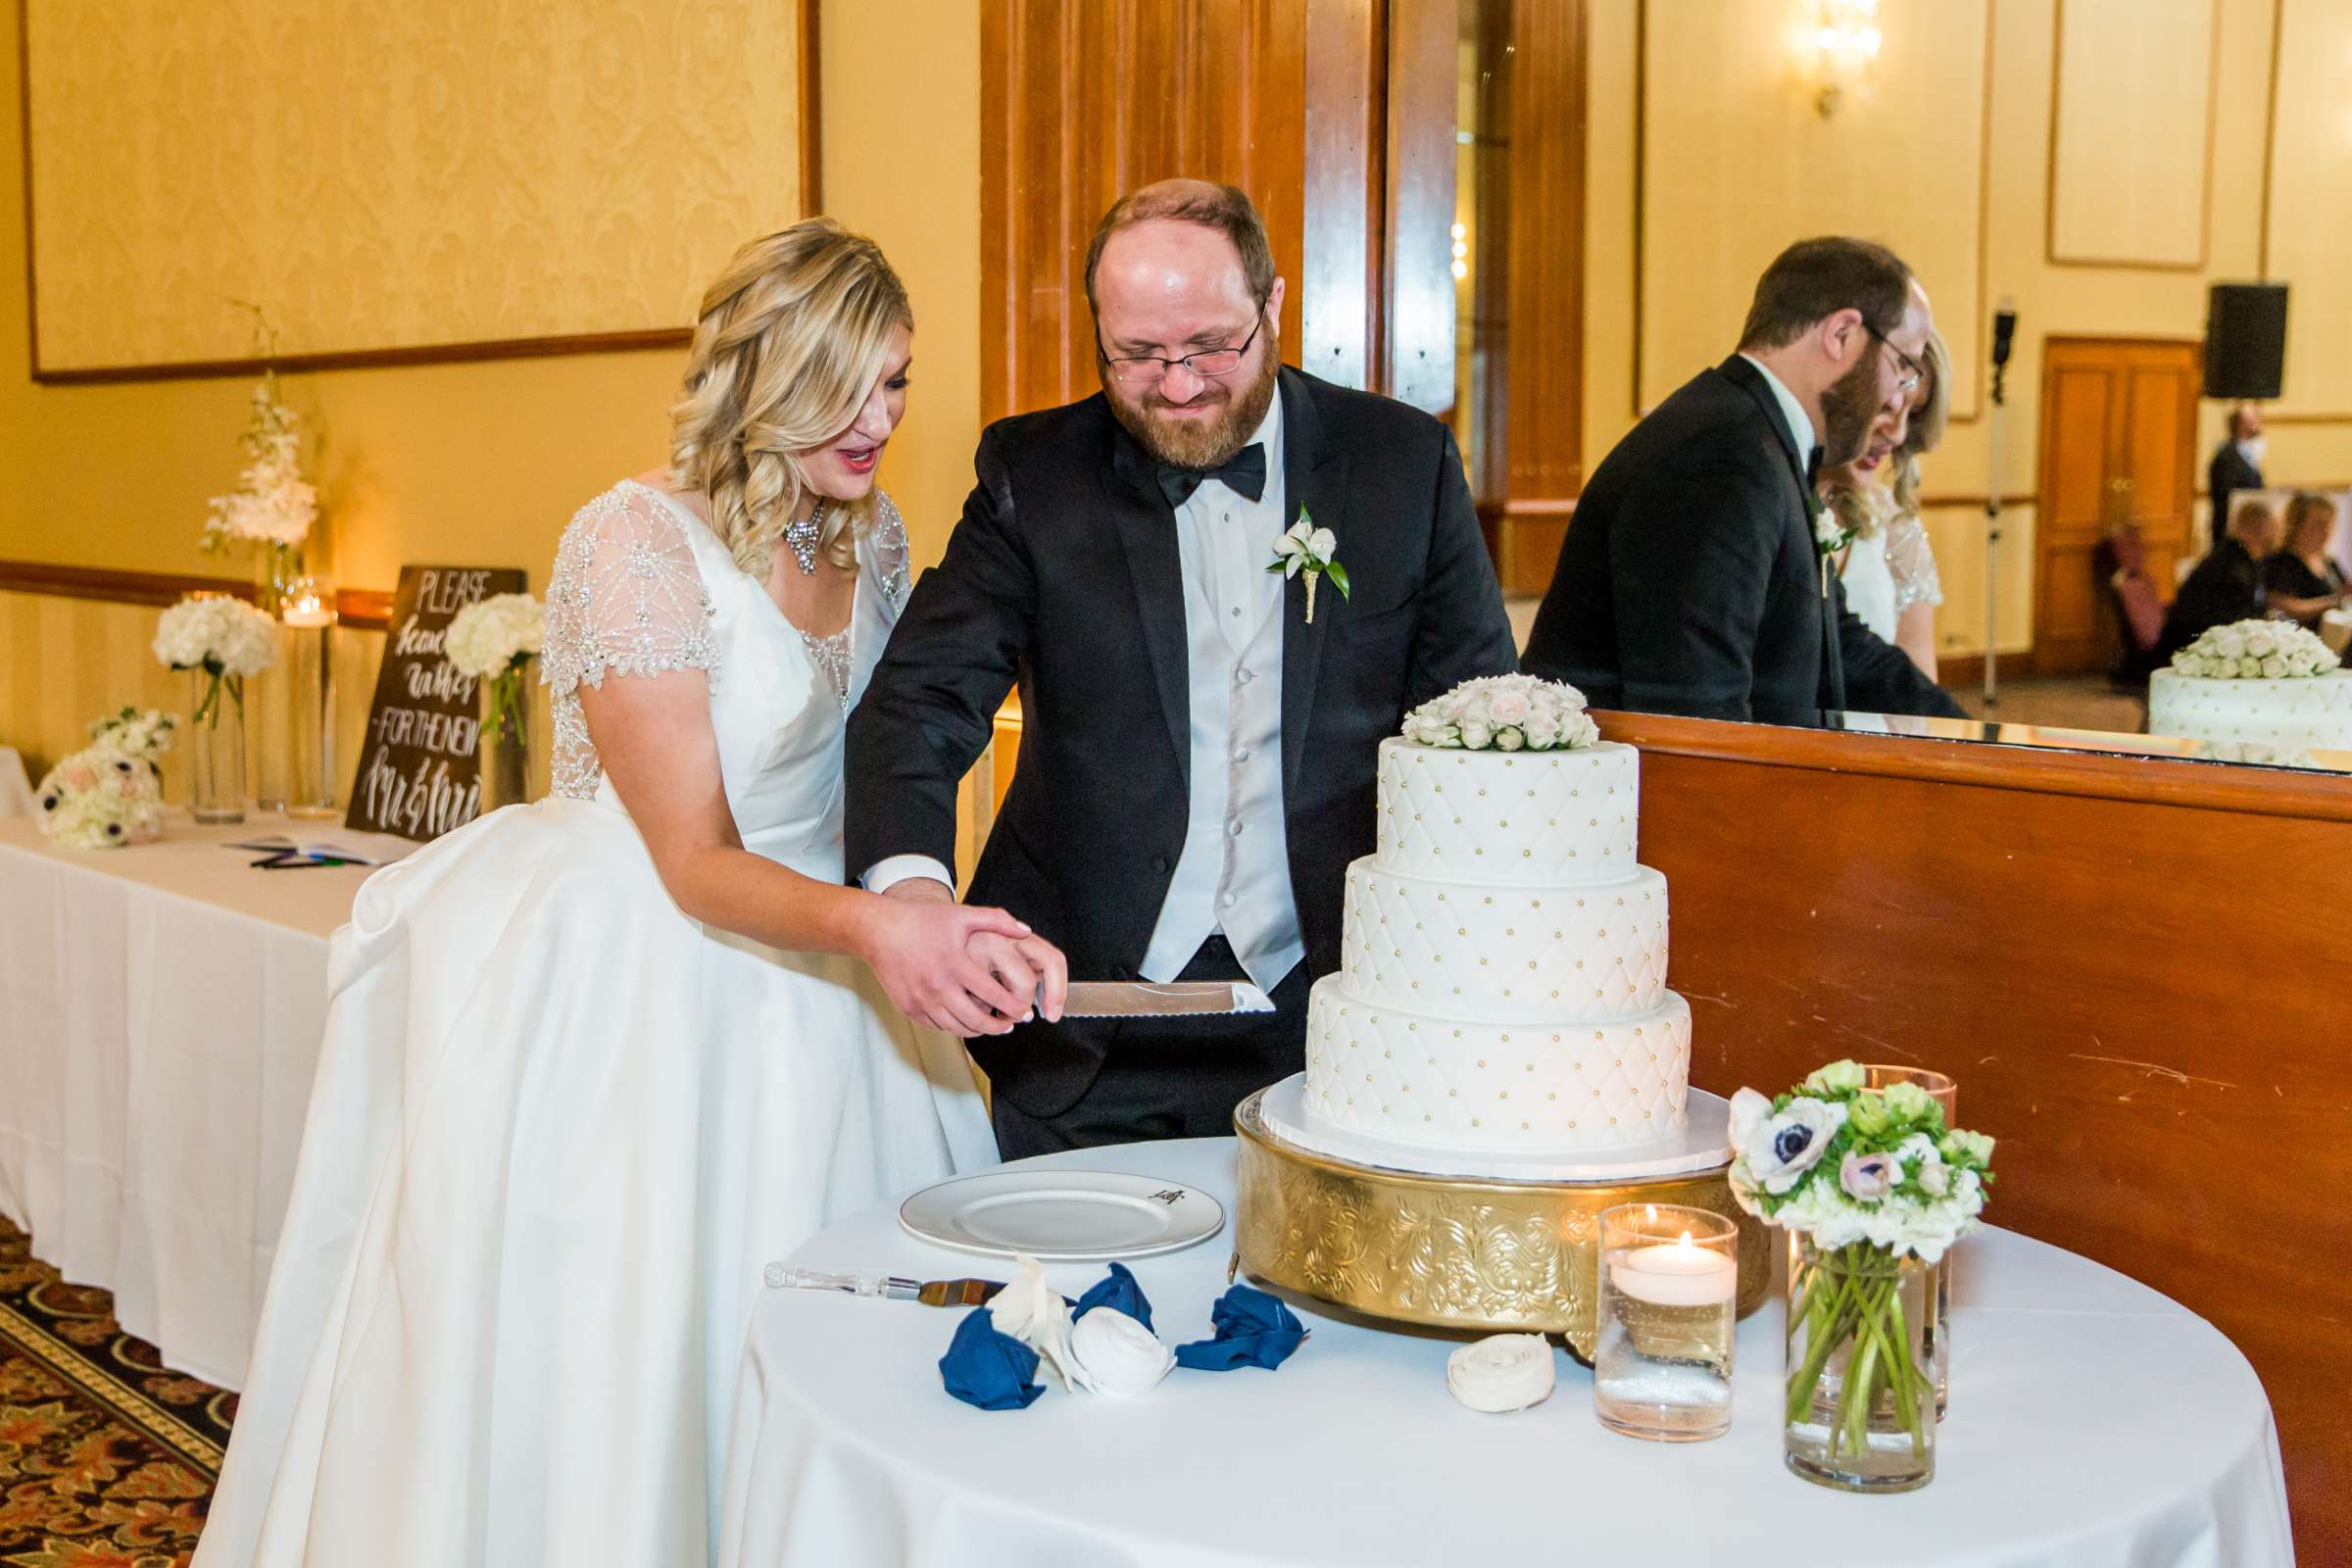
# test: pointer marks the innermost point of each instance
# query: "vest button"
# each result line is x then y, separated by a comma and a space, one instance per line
1160, 864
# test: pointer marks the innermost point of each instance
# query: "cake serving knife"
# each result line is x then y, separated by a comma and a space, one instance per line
1143, 998
884, 1287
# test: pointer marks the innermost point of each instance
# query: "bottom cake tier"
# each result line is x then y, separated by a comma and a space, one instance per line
2287, 716
1558, 1087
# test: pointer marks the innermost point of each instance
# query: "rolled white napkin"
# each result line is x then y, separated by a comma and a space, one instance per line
1033, 1312
1117, 1354
1502, 1372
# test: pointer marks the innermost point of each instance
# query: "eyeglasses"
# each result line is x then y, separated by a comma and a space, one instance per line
1913, 372
1141, 369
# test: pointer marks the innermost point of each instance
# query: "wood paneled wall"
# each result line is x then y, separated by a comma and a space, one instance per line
1083, 99
2122, 963
2307, 189
2132, 115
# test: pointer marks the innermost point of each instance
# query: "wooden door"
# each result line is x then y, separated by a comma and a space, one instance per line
2118, 447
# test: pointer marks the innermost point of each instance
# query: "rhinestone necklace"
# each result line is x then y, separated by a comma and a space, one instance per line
800, 539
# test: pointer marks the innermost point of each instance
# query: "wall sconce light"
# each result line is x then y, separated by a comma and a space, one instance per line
1846, 41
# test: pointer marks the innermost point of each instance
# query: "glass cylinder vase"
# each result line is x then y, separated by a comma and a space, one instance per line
505, 740
215, 746
307, 674
1939, 1087
277, 580
1669, 1288
1860, 1411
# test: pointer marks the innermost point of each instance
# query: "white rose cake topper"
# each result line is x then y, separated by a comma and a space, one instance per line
1309, 549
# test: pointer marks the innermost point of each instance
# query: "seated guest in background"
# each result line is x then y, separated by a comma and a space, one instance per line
2226, 585
1890, 568
2237, 464
2302, 579
1692, 580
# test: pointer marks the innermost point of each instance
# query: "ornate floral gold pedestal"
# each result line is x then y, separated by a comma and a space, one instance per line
1459, 1252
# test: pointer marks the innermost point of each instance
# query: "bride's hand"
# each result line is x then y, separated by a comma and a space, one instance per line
919, 950
1031, 966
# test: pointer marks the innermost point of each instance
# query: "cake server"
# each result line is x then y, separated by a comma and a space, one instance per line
1142, 999
886, 1287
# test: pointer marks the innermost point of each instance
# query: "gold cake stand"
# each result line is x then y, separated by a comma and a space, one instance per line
1471, 1253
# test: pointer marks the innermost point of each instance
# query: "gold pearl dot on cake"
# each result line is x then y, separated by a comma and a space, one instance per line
1453, 1094
1481, 1061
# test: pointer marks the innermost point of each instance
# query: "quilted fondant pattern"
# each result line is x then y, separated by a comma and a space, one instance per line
2289, 714
1552, 1087
1508, 954
1515, 818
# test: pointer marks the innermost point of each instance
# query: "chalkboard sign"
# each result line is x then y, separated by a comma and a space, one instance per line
420, 772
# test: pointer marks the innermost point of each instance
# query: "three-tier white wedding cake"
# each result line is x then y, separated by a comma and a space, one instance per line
2267, 687
1502, 984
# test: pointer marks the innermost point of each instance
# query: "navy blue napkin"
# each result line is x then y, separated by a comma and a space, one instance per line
1118, 1291
988, 1369
1254, 1329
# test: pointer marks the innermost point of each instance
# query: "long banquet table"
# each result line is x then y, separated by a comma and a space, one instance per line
160, 1016
2093, 1422
16, 790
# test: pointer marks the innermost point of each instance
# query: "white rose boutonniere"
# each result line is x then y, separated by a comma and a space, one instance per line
1309, 549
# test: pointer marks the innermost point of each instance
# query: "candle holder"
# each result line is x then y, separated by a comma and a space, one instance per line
1669, 1292
1939, 1087
308, 613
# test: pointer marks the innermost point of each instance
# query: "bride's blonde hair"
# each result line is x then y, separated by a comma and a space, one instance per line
791, 336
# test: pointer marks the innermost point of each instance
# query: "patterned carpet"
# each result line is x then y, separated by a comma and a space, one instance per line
107, 1460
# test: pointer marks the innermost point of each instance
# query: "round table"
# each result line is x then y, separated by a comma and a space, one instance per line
2092, 1421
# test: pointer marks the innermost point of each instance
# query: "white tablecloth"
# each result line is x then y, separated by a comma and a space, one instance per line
16, 790
2093, 1422
160, 1016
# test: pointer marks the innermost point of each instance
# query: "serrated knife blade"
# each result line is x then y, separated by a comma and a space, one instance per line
1142, 999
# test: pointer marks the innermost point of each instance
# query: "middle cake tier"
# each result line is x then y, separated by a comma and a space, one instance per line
1506, 955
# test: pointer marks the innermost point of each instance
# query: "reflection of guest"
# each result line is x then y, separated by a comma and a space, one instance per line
2226, 585
1890, 568
1691, 581
2302, 579
2237, 464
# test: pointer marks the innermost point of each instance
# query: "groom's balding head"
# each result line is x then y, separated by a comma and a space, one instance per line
1224, 208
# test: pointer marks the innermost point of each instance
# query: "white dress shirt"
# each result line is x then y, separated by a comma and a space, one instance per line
1234, 874
1800, 424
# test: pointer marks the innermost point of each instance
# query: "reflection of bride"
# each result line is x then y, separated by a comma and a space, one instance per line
588, 1063
1890, 568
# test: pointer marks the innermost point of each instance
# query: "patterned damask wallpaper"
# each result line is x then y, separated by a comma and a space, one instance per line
395, 173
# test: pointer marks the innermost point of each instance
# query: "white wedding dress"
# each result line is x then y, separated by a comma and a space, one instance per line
558, 1127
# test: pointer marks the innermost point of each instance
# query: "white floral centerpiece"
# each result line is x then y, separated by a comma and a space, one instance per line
1504, 713
493, 640
110, 793
2256, 649
1869, 1178
225, 638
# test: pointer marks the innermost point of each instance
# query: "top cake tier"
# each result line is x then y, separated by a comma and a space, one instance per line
1541, 818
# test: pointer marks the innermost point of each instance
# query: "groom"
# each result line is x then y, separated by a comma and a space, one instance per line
1197, 755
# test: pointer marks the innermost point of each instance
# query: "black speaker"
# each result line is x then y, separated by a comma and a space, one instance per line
2245, 340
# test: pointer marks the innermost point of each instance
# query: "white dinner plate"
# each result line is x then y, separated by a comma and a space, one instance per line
1062, 1216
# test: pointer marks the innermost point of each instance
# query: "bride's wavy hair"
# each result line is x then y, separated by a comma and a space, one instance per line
1928, 422
791, 336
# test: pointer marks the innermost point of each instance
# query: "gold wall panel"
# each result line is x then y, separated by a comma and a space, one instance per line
1736, 163
2308, 191
384, 176
2131, 132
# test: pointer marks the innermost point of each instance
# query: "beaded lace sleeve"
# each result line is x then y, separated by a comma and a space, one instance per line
1911, 560
890, 551
625, 596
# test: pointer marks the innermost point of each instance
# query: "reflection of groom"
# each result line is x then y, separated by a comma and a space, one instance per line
1197, 758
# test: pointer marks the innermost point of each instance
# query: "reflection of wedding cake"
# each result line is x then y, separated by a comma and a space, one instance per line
2260, 683
1502, 979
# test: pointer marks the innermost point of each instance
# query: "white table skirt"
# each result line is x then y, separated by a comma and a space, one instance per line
160, 1016
16, 790
2094, 1422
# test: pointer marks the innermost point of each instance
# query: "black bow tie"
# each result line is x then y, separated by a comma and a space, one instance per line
1245, 472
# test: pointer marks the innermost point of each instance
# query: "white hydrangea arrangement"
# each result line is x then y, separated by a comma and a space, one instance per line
110, 793
1848, 1165
1504, 713
493, 640
272, 505
2256, 649
225, 638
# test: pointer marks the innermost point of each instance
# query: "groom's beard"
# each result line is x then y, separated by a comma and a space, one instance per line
1847, 408
1200, 443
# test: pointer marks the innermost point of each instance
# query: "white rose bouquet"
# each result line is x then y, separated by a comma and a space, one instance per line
2256, 649
1504, 713
225, 638
103, 798
1868, 1176
493, 640
138, 732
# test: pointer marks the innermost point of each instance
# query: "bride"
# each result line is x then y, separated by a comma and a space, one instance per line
590, 1062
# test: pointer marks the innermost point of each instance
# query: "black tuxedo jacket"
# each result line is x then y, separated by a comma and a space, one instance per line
2229, 472
1689, 582
1064, 574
